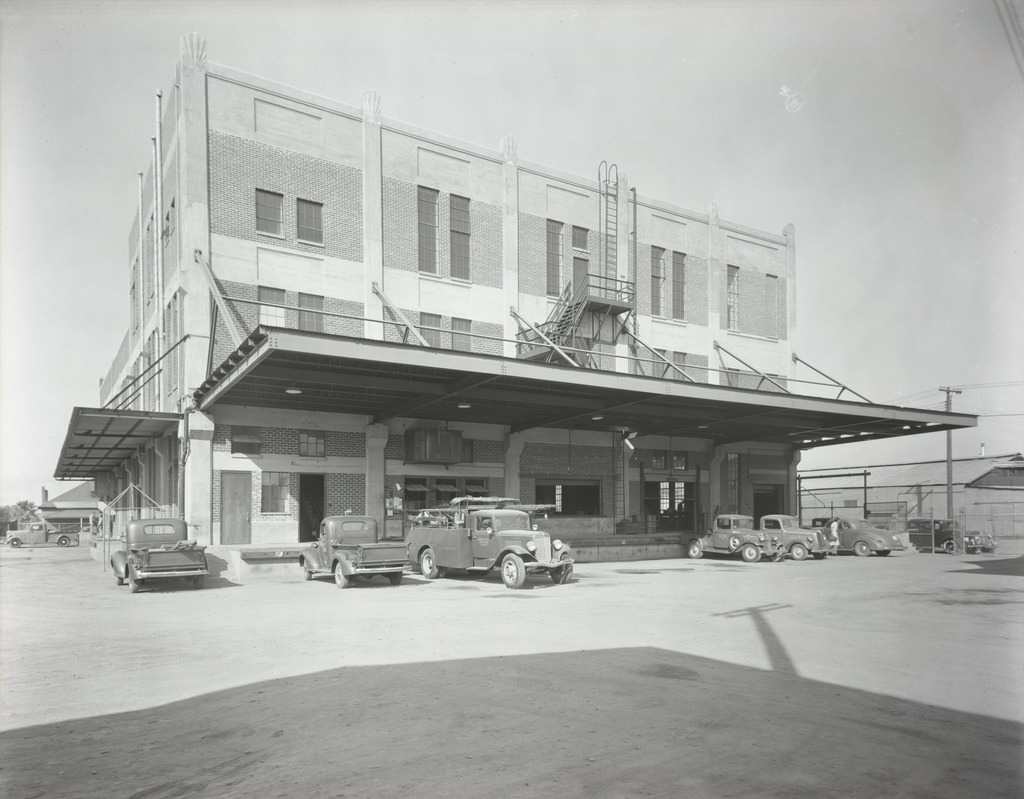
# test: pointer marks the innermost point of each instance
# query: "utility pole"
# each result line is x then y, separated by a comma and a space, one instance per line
949, 451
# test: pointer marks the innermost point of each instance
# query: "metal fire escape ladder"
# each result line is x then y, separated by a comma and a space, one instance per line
608, 185
396, 312
543, 338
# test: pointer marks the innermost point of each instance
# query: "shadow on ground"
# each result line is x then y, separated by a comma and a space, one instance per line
608, 723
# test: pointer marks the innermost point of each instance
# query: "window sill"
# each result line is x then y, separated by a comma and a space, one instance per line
278, 236
309, 243
753, 336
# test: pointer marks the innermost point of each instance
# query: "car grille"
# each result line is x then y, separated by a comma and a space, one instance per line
543, 542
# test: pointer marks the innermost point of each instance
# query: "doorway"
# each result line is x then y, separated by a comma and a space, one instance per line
236, 508
311, 505
768, 499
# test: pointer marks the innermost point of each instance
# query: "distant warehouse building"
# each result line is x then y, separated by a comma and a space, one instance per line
331, 311
988, 493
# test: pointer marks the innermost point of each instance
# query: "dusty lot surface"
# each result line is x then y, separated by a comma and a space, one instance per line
896, 676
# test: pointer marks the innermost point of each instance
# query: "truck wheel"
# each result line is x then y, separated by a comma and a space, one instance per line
63, 541
197, 581
133, 584
395, 578
861, 549
694, 551
948, 546
750, 553
561, 575
15, 542
798, 551
119, 578
428, 566
513, 572
340, 578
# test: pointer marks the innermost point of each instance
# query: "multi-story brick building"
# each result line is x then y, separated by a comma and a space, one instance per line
332, 311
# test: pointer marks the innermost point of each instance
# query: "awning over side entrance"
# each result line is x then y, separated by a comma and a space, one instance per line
100, 439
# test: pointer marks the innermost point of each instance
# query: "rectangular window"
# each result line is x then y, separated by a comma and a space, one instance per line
427, 217
312, 443
678, 285
459, 221
732, 299
245, 440
772, 301
657, 278
275, 492
679, 359
679, 463
554, 258
430, 329
580, 236
270, 314
461, 339
308, 318
310, 220
169, 225
269, 213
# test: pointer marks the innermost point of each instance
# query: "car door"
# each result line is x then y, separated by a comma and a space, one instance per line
482, 532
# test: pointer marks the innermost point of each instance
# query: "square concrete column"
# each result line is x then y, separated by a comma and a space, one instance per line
376, 441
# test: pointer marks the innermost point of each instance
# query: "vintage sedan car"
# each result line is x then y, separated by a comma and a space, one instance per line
734, 534
158, 549
860, 537
977, 541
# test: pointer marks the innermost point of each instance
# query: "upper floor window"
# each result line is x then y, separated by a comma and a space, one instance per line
678, 285
657, 278
554, 263
269, 213
461, 334
426, 210
771, 300
732, 299
310, 219
170, 221
679, 359
459, 220
430, 329
309, 319
270, 314
312, 443
580, 236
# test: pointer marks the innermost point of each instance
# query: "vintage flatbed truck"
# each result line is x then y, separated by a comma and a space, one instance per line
350, 547
476, 538
156, 550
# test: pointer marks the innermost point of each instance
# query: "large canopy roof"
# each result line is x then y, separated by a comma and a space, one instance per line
296, 370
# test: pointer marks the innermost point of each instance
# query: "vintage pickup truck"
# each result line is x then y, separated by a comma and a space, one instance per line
40, 534
476, 539
734, 534
158, 549
349, 547
798, 541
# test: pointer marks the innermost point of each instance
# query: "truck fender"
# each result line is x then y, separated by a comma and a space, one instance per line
344, 564
119, 563
515, 549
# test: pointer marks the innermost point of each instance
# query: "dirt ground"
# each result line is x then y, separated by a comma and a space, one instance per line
850, 677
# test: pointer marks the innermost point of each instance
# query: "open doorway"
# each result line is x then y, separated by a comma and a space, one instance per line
311, 505
768, 499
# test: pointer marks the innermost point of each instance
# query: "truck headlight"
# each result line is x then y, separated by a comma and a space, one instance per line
531, 546
557, 543
760, 537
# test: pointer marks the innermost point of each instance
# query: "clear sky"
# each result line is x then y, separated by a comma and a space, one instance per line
899, 160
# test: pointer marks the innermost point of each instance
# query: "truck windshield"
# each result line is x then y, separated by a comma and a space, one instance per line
788, 521
511, 521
